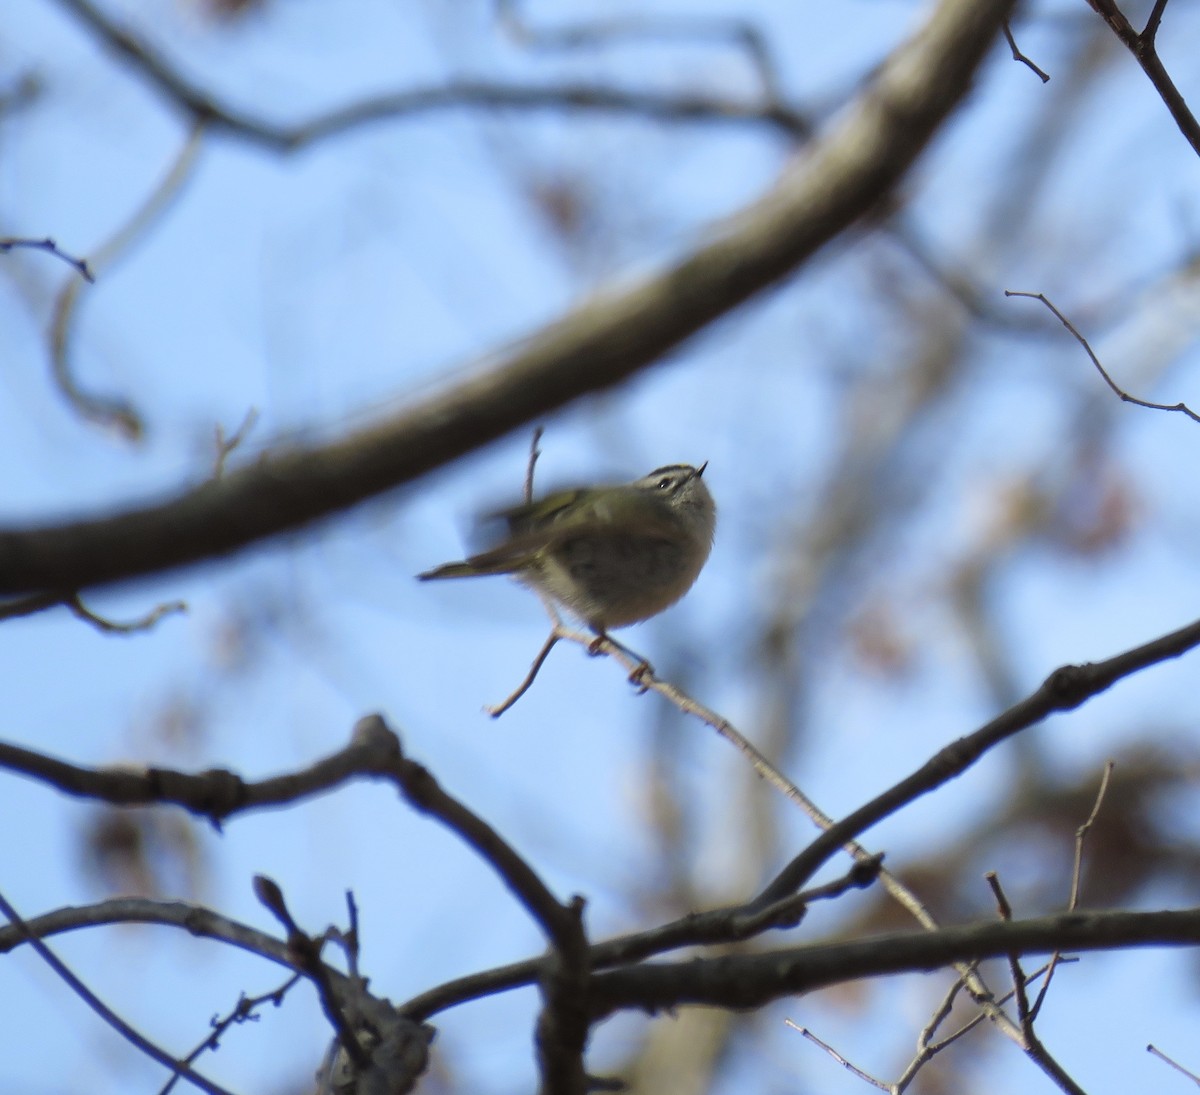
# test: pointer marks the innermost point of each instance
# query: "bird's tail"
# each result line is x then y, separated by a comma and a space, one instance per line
451, 570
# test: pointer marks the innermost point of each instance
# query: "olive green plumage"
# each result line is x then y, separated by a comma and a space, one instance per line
610, 555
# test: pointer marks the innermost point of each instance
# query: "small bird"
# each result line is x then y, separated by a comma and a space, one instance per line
610, 555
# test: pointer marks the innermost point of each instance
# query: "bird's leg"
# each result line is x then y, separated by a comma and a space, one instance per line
639, 671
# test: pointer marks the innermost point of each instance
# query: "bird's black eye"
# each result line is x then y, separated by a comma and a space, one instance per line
664, 483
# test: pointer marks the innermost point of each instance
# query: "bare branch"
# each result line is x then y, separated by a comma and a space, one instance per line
1142, 46
498, 709
1076, 874
226, 445
1156, 1052
852, 1068
1117, 389
1065, 689
716, 926
194, 919
1034, 1048
1019, 56
740, 33
111, 627
307, 952
81, 265
244, 1011
753, 980
534, 453
204, 108
602, 342
28, 933
217, 793
40, 602
114, 412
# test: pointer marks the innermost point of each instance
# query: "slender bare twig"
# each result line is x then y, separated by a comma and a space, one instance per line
202, 106
115, 412
927, 1049
197, 920
1019, 56
48, 245
111, 627
1125, 397
1076, 876
244, 1011
498, 709
805, 1032
1156, 1052
307, 952
534, 453
226, 445
40, 602
134, 1037
1035, 1049
741, 33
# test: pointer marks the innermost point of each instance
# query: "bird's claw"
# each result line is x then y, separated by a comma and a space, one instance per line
638, 677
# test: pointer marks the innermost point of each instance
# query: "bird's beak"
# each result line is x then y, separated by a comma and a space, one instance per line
700, 469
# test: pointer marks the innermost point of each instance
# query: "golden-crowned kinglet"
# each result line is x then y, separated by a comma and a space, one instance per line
611, 555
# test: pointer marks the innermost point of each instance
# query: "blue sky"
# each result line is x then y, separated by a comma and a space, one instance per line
323, 288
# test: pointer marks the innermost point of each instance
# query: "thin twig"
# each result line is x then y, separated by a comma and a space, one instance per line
244, 1011
115, 412
1076, 875
1124, 396
1065, 689
1035, 1048
307, 950
201, 106
226, 445
40, 602
48, 245
1155, 1051
928, 1049
498, 709
534, 453
1019, 56
111, 627
739, 32
134, 1037
838, 1057
217, 793
1004, 908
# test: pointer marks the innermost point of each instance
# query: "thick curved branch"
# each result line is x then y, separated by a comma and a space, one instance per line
751, 981
603, 342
